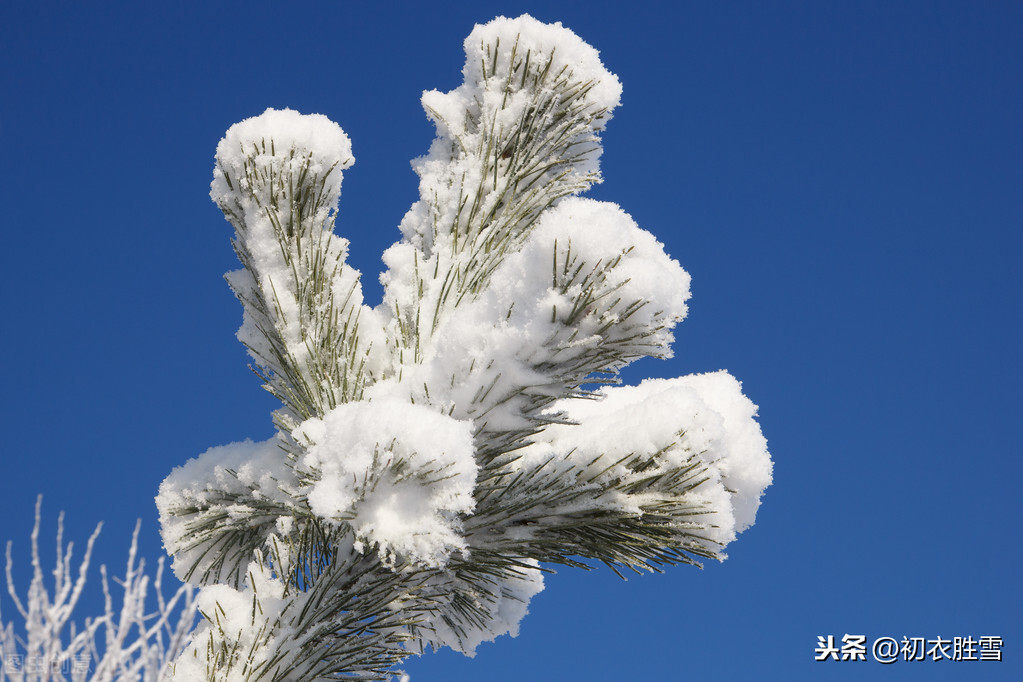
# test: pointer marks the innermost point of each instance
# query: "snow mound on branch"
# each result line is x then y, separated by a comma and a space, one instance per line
277, 178
525, 35
263, 140
244, 471
399, 474
515, 70
254, 620
589, 289
588, 234
670, 420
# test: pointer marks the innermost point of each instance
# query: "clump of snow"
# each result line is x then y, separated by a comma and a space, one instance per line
598, 256
500, 38
231, 478
254, 620
589, 290
277, 178
279, 141
502, 47
523, 80
670, 420
399, 474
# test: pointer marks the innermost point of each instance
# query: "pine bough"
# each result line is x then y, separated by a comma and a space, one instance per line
434, 452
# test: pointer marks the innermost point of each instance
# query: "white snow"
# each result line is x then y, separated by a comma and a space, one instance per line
460, 182
669, 420
526, 34
246, 469
398, 473
279, 174
499, 303
254, 620
284, 139
586, 234
509, 605
502, 338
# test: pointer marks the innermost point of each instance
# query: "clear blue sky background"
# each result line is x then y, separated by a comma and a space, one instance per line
842, 180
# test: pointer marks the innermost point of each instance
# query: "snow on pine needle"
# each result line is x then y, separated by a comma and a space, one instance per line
435, 454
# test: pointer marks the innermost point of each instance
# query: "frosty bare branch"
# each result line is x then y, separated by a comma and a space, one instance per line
120, 645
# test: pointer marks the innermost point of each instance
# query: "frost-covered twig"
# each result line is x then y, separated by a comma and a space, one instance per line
120, 645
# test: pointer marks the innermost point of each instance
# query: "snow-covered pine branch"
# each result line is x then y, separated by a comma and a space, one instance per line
121, 645
432, 451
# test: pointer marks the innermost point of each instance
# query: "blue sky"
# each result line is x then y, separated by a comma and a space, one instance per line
842, 180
